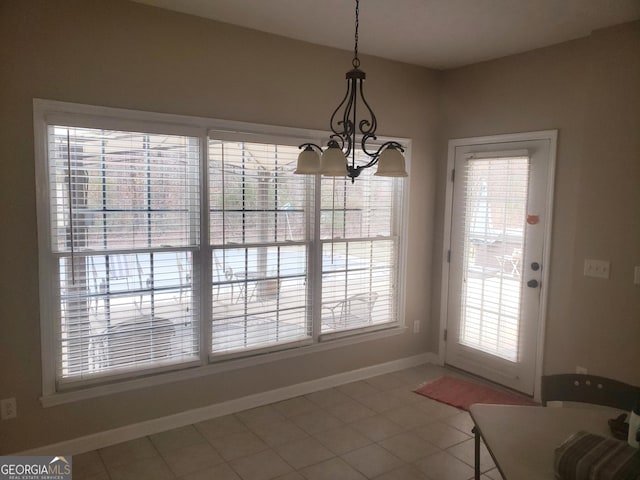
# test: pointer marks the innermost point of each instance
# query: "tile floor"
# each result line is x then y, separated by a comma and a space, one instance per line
371, 429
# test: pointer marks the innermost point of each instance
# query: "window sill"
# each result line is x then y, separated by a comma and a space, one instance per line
328, 341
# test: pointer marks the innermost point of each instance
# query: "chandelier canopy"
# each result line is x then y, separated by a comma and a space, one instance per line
347, 128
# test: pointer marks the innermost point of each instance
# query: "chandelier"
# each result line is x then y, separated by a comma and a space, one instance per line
334, 160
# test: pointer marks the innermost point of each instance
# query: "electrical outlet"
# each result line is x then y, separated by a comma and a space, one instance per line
416, 326
8, 408
581, 370
596, 268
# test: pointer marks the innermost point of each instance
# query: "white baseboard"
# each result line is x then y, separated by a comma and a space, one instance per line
149, 427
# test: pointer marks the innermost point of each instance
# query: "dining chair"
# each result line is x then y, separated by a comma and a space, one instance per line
574, 387
576, 453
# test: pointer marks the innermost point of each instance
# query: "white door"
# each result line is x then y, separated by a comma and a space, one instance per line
499, 229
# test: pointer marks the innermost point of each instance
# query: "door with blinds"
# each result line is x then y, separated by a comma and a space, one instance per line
500, 221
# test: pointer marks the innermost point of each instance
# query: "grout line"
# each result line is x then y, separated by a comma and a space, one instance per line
104, 465
148, 437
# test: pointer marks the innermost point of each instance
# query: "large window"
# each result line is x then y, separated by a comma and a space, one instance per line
259, 234
165, 246
359, 242
124, 226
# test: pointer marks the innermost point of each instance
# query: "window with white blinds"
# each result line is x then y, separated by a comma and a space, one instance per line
259, 230
495, 208
167, 245
124, 227
358, 231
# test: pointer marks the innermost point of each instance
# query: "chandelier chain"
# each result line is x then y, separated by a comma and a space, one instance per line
356, 60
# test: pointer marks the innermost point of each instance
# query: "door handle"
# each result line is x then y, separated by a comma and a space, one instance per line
532, 283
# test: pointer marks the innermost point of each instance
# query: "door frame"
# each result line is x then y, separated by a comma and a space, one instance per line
552, 137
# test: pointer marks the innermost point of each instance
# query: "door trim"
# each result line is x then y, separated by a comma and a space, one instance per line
552, 137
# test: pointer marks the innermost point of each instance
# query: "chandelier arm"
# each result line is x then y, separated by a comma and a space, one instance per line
353, 110
335, 125
369, 125
349, 130
375, 156
312, 145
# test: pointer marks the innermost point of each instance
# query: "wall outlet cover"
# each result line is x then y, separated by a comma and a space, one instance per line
596, 268
8, 408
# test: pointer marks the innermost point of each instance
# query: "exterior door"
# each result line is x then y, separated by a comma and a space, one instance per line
500, 222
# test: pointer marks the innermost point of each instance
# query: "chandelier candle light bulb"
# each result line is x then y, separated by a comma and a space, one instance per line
334, 160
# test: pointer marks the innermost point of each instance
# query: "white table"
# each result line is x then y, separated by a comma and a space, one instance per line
522, 440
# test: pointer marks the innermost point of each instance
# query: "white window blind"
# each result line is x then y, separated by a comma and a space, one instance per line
358, 228
494, 219
260, 229
163, 247
124, 229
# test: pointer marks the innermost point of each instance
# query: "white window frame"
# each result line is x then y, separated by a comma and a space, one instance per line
48, 112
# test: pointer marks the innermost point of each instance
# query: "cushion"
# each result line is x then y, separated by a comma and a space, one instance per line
586, 456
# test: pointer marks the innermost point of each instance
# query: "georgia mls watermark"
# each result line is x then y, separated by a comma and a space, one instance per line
35, 468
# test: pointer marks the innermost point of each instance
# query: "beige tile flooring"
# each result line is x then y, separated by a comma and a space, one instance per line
371, 429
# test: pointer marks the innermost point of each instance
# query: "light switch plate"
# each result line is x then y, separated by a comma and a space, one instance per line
596, 268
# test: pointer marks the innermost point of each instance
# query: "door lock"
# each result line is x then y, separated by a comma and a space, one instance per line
535, 266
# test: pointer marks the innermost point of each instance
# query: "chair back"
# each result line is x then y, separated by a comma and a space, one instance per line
573, 387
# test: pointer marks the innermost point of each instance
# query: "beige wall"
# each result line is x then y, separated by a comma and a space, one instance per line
588, 89
120, 54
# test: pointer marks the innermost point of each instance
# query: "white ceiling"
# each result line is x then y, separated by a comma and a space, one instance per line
433, 33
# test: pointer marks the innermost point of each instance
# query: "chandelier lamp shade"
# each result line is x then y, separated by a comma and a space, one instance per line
338, 159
